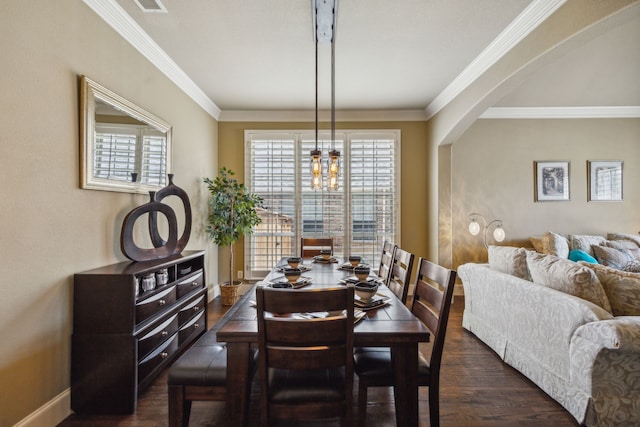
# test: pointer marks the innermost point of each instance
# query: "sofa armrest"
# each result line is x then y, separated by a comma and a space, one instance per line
605, 365
620, 333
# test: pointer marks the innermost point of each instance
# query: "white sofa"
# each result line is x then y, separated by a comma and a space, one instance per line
575, 350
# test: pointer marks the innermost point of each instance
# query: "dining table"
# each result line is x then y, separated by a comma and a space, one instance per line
391, 325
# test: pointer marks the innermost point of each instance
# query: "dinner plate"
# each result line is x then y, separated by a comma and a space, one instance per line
302, 268
375, 302
348, 266
354, 280
320, 259
282, 282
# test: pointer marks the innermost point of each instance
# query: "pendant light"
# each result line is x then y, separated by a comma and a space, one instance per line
333, 168
316, 155
325, 27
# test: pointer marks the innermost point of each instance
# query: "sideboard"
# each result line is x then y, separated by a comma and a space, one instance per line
123, 335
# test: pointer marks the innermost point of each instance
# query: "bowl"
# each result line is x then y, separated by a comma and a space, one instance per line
294, 261
366, 290
362, 273
325, 254
292, 274
354, 260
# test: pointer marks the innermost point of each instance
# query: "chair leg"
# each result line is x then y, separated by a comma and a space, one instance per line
179, 409
362, 404
434, 405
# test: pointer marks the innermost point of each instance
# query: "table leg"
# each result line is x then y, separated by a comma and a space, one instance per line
405, 360
238, 382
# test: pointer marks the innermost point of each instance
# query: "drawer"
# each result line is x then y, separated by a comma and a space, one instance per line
192, 328
191, 308
164, 352
188, 284
154, 304
159, 332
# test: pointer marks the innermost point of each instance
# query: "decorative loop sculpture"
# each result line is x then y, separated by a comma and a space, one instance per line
161, 248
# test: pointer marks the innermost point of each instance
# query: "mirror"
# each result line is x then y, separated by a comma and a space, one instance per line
123, 147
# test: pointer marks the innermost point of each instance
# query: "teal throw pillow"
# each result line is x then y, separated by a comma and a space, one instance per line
579, 255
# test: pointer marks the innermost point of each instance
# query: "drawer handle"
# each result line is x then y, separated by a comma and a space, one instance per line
161, 302
196, 308
194, 284
164, 355
196, 325
164, 333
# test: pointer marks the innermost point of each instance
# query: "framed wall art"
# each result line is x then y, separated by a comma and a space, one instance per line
604, 179
551, 180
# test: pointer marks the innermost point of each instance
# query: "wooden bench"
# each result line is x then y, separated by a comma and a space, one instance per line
200, 373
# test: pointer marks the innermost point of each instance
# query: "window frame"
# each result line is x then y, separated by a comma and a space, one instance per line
297, 137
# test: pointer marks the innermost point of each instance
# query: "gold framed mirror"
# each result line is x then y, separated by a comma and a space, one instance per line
122, 146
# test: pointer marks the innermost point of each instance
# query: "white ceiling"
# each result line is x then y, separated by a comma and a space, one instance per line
390, 55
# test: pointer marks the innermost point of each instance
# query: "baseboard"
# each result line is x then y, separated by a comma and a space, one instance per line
51, 413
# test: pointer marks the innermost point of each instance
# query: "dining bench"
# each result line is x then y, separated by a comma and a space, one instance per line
200, 373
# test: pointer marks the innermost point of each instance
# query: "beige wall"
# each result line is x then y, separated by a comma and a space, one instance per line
415, 158
50, 227
492, 167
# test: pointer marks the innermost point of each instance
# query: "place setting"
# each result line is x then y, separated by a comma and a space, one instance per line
325, 257
294, 262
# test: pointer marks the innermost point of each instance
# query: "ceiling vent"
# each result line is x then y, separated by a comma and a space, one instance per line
151, 6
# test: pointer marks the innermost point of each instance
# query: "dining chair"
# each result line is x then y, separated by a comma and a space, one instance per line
306, 360
386, 260
400, 273
431, 304
312, 246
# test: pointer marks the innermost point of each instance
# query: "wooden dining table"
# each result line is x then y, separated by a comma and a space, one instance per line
392, 325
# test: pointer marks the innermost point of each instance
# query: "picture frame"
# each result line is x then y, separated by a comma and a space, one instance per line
605, 180
551, 180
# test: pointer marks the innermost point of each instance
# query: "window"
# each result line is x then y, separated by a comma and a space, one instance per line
360, 216
124, 149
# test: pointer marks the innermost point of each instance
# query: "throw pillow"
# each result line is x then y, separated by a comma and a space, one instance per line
555, 244
612, 257
537, 244
628, 245
509, 260
568, 277
623, 236
578, 255
622, 289
584, 242
632, 267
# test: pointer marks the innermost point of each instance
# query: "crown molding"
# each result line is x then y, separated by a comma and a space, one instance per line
561, 112
323, 115
536, 13
114, 15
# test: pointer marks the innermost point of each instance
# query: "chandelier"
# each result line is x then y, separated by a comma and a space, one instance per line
324, 30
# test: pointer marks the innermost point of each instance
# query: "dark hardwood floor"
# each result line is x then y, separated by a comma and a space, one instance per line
476, 389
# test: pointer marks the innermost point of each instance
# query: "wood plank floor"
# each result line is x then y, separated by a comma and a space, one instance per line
476, 389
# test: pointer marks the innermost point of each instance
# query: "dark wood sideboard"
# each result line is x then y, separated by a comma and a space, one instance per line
122, 338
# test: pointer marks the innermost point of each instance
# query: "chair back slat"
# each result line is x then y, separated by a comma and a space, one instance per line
432, 303
312, 246
400, 275
386, 260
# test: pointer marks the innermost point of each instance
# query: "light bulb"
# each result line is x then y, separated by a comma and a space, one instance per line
316, 170
499, 234
474, 227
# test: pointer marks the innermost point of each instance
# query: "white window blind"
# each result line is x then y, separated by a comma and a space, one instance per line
124, 149
360, 216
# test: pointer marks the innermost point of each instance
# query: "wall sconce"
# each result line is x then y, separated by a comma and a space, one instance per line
474, 228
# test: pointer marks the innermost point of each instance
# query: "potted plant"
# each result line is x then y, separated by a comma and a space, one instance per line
232, 213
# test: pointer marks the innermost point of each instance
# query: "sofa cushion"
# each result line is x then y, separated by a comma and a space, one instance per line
578, 255
612, 257
568, 277
633, 266
584, 242
536, 242
621, 287
509, 260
